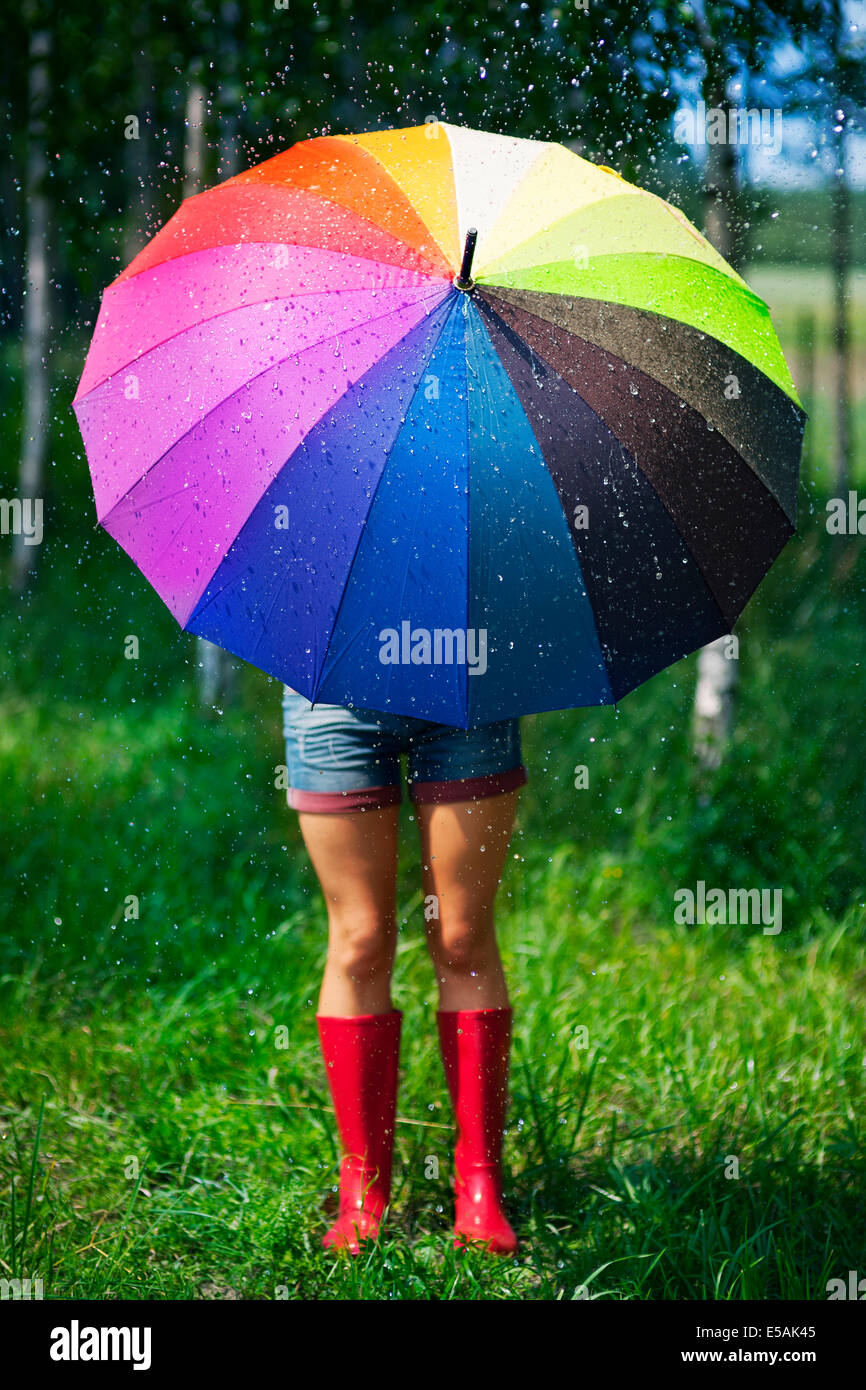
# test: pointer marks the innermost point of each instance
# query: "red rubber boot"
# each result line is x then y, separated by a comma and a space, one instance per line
475, 1045
361, 1058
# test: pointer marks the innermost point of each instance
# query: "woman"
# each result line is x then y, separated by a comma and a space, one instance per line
344, 776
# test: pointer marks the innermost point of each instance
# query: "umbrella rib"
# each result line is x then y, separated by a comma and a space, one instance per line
175, 533
769, 343
283, 581
634, 191
510, 333
631, 456
468, 512
272, 366
772, 500
238, 179
492, 296
362, 529
237, 308
403, 194
229, 582
368, 221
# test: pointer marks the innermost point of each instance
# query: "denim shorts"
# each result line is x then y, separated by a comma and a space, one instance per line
349, 759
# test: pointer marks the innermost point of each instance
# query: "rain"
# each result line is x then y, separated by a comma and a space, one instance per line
432, 531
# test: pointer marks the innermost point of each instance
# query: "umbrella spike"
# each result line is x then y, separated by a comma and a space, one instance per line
464, 280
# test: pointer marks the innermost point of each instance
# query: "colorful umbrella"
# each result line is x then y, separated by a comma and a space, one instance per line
397, 478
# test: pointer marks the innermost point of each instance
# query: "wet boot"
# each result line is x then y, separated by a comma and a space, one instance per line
361, 1059
475, 1046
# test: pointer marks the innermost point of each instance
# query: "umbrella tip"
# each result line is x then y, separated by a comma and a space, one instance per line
464, 280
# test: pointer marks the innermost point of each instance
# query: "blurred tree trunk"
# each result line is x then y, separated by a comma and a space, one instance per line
138, 154
713, 712
807, 332
228, 144
36, 304
195, 143
213, 668
840, 256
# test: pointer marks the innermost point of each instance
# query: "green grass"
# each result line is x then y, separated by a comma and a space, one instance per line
184, 1155
159, 1142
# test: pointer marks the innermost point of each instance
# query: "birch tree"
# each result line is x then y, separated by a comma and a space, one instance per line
729, 43
713, 711
213, 670
36, 302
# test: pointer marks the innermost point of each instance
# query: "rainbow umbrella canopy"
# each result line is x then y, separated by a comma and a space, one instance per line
400, 470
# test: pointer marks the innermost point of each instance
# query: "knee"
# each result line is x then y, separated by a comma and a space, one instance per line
361, 944
460, 945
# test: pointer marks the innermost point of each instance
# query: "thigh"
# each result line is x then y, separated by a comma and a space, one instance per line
463, 845
355, 858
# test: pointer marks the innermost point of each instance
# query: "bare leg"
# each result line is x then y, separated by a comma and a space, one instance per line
355, 859
464, 844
